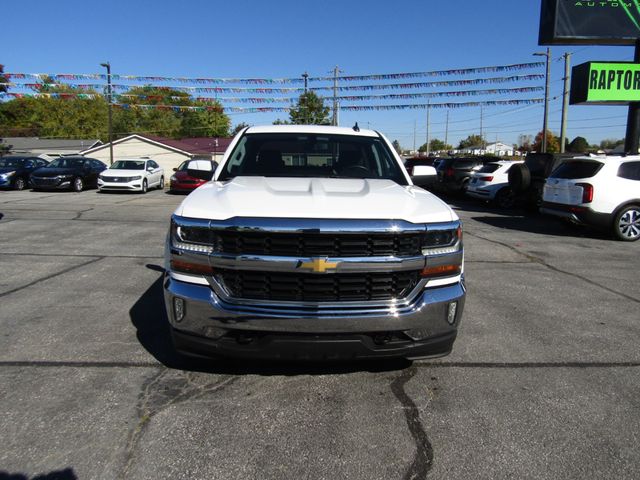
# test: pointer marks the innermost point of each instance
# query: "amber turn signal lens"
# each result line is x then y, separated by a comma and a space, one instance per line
440, 271
189, 267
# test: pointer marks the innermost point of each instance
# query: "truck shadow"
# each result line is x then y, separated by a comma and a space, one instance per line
153, 331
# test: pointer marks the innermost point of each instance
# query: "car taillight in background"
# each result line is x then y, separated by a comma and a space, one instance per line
485, 179
587, 192
449, 172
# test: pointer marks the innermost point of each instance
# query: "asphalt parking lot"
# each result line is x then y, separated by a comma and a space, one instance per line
543, 382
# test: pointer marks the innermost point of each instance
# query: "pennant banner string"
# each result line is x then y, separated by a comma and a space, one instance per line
396, 86
266, 81
423, 106
358, 98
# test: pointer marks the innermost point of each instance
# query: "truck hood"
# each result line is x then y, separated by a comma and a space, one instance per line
314, 198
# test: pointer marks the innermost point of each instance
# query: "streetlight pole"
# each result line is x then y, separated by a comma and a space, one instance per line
565, 101
546, 98
107, 65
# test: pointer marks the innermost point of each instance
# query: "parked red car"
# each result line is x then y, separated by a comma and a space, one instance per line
181, 181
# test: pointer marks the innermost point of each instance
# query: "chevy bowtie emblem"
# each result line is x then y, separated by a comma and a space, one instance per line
318, 265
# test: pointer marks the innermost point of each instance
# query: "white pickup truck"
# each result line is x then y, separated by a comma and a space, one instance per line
311, 242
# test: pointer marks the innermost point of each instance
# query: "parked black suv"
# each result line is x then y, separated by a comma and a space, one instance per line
527, 179
15, 170
454, 173
68, 173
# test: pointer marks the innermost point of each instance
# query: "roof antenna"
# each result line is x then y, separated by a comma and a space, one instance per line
356, 128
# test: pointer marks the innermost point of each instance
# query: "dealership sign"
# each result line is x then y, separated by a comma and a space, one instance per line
605, 83
601, 22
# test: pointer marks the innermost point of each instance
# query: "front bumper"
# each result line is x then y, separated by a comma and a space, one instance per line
133, 186
51, 183
211, 326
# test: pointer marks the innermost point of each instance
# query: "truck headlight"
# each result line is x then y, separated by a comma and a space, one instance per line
196, 239
442, 241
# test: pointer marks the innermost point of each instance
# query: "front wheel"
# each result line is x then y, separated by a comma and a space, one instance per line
161, 186
145, 186
19, 184
77, 185
626, 225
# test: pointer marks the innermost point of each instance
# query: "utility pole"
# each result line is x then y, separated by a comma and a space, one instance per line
305, 75
335, 96
414, 135
107, 65
428, 127
565, 101
481, 132
446, 130
633, 117
546, 98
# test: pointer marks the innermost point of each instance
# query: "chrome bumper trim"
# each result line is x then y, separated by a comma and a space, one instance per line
205, 309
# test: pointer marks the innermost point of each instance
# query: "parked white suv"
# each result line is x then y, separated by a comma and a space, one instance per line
134, 174
600, 191
491, 183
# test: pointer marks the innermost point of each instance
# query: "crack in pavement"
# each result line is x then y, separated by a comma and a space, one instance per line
423, 458
81, 255
161, 390
540, 261
53, 275
80, 212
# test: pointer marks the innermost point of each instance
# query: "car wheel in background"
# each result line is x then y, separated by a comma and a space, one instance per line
626, 225
19, 183
145, 186
77, 185
505, 198
161, 186
519, 177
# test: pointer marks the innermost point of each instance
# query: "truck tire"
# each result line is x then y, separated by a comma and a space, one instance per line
519, 177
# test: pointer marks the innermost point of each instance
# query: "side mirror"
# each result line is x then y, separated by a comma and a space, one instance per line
424, 175
202, 169
150, 169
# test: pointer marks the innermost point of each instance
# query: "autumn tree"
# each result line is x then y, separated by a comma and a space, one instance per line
553, 143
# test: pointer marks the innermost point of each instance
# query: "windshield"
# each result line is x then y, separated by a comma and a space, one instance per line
11, 162
66, 163
312, 155
128, 165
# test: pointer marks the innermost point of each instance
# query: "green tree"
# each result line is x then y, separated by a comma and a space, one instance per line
471, 141
611, 143
578, 145
3, 79
310, 110
553, 142
279, 121
435, 145
397, 147
239, 127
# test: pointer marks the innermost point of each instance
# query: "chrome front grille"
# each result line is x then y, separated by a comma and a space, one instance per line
319, 244
303, 287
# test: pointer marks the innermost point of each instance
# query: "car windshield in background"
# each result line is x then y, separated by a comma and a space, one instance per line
312, 155
66, 163
489, 168
128, 165
11, 162
577, 169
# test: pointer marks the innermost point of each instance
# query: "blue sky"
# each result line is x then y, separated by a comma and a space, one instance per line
247, 38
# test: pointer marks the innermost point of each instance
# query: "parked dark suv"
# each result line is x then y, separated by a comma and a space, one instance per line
527, 179
454, 173
15, 170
